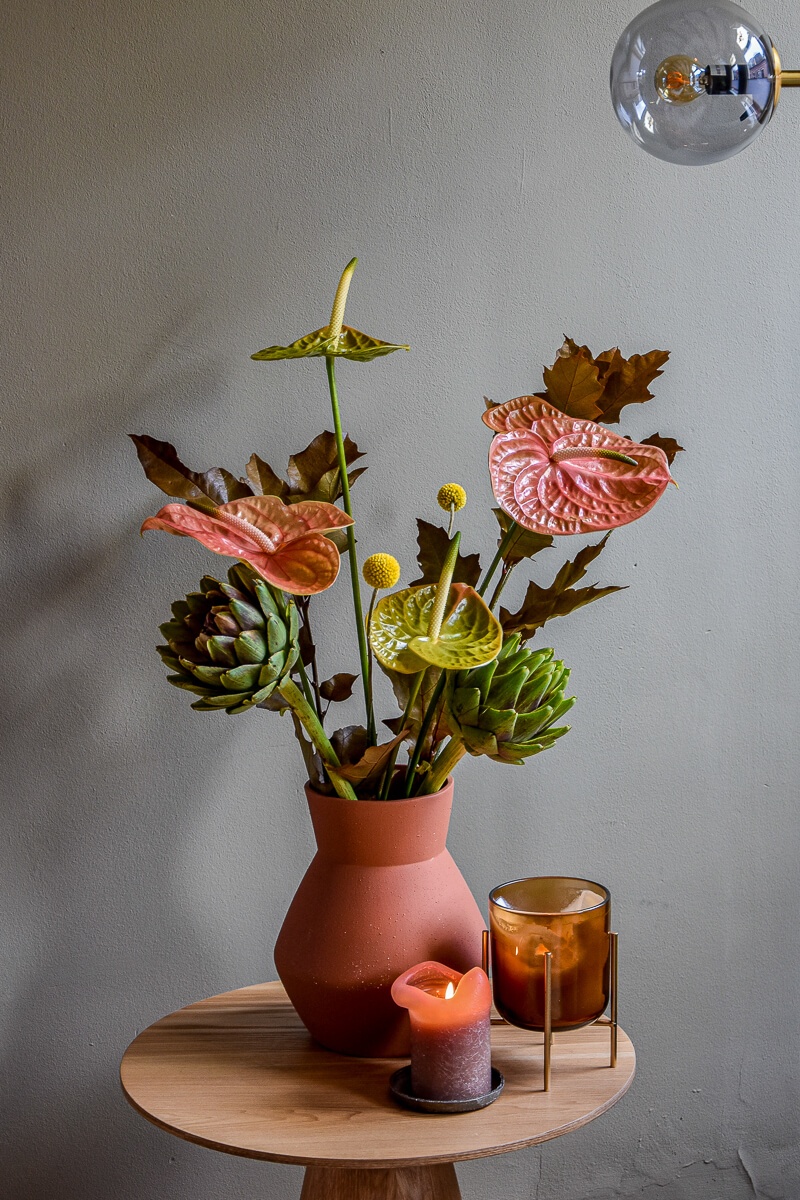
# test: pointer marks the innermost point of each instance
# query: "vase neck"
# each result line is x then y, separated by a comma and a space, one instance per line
373, 833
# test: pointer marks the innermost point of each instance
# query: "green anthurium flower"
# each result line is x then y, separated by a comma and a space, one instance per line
335, 340
350, 343
401, 630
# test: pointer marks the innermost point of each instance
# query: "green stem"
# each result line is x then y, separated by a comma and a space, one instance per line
416, 754
351, 546
443, 765
508, 538
307, 692
311, 723
386, 782
501, 583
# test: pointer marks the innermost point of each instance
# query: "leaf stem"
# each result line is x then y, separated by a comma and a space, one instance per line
351, 546
311, 723
508, 538
304, 604
501, 583
416, 754
443, 765
307, 692
386, 782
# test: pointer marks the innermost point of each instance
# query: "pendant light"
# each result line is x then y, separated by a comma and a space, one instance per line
694, 83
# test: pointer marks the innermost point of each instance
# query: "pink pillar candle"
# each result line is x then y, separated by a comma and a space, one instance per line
450, 1030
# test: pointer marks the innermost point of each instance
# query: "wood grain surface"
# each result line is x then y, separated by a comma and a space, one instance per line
239, 1073
429, 1182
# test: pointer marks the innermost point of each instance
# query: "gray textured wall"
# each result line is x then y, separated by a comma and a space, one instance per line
184, 183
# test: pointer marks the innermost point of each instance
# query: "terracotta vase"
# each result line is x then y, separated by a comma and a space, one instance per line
381, 894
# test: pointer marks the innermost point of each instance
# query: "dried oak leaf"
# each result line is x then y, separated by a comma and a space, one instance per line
560, 599
366, 772
163, 468
433, 545
667, 444
313, 474
338, 687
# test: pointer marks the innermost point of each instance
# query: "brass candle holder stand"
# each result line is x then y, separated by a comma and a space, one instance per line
611, 1021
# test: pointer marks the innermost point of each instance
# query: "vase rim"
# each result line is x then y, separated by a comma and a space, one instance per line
448, 787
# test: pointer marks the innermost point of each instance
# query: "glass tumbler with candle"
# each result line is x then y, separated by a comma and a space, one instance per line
570, 919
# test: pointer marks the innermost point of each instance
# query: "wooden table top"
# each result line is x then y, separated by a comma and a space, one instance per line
239, 1073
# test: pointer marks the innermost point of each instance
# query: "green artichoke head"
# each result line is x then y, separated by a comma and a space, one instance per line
231, 643
508, 709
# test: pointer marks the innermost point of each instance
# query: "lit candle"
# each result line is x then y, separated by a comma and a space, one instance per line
450, 1030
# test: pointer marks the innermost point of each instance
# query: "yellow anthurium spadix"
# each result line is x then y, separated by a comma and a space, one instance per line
335, 340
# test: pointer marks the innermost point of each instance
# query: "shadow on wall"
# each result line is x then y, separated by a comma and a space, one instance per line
100, 935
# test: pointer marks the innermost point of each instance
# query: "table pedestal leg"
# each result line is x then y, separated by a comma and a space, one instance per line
434, 1182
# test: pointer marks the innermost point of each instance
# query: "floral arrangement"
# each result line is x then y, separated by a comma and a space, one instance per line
464, 675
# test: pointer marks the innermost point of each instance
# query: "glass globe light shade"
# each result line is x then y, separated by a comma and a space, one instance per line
694, 83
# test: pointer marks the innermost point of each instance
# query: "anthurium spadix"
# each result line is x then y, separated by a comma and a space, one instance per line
334, 340
284, 543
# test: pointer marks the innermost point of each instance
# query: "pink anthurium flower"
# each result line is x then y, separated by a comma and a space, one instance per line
283, 542
556, 474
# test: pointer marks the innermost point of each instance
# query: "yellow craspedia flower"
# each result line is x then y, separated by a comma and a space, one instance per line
451, 495
381, 571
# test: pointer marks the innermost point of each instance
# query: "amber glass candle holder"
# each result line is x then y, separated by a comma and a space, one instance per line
569, 919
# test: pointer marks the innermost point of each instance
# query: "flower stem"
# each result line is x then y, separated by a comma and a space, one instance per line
311, 723
351, 546
508, 538
416, 754
309, 695
386, 782
501, 583
443, 765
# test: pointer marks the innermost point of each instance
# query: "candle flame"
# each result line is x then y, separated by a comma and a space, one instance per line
449, 992
541, 949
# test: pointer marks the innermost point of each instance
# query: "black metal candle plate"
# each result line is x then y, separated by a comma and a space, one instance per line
400, 1087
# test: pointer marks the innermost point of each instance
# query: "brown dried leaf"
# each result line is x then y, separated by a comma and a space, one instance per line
338, 687
264, 480
626, 381
163, 468
667, 444
561, 598
367, 771
350, 743
313, 473
573, 382
433, 545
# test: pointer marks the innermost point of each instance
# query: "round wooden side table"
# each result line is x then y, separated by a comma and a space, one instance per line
239, 1073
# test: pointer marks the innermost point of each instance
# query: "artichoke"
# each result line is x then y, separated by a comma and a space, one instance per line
507, 708
233, 643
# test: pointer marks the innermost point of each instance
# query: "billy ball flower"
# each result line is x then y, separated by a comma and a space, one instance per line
381, 571
451, 496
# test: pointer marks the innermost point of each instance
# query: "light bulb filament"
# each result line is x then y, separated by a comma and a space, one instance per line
680, 79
